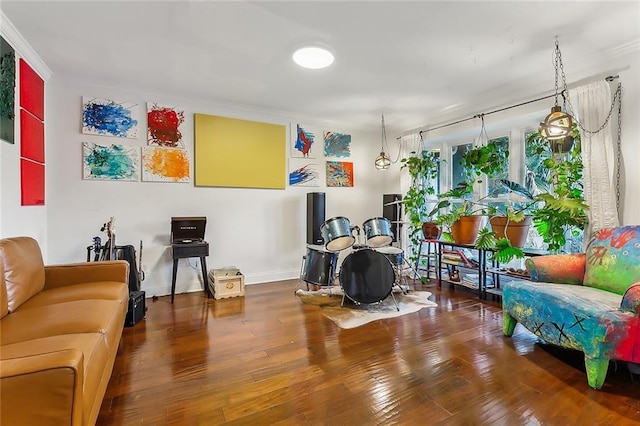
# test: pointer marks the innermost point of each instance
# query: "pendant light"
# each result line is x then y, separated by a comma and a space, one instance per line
383, 162
558, 124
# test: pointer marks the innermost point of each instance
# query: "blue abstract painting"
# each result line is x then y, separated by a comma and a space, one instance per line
107, 117
337, 145
303, 140
110, 162
303, 173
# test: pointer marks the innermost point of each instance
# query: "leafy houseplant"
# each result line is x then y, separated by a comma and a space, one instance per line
491, 160
423, 171
562, 209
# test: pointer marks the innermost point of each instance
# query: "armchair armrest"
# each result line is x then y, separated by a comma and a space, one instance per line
631, 299
557, 268
42, 389
85, 272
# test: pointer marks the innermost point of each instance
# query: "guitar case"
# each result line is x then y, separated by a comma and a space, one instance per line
128, 253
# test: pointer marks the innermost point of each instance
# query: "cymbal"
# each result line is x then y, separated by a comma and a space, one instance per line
393, 202
400, 222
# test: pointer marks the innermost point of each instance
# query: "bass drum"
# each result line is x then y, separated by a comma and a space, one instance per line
366, 276
319, 266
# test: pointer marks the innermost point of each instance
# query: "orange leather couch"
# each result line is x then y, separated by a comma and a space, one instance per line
60, 328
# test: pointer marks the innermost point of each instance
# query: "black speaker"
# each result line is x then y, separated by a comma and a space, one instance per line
315, 217
137, 308
392, 210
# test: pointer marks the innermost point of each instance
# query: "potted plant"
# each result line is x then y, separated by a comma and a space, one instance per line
463, 221
562, 209
423, 171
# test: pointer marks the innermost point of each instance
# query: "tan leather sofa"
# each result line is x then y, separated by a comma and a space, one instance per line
60, 328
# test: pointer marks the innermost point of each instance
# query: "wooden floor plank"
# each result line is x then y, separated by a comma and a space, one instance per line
268, 359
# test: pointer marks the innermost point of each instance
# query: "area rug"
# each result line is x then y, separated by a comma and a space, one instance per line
352, 315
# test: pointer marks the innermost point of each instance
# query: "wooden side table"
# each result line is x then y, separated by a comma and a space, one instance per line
186, 250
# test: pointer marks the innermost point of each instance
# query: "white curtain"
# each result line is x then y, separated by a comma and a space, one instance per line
592, 103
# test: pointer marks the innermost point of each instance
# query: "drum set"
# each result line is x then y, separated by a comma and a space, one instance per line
368, 273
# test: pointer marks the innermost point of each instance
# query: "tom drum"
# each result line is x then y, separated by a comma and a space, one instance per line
319, 266
378, 231
336, 233
366, 276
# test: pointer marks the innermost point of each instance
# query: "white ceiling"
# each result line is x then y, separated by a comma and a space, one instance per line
420, 62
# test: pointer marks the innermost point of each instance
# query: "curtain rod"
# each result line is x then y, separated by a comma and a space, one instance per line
608, 78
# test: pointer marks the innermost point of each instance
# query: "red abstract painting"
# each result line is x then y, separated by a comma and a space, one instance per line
32, 183
31, 91
31, 137
164, 126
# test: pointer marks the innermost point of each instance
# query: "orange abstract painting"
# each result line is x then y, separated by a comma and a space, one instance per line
161, 164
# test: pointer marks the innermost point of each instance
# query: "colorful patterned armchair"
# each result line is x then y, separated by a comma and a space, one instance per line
589, 302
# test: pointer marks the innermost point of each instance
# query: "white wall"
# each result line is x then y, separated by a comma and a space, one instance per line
263, 232
16, 219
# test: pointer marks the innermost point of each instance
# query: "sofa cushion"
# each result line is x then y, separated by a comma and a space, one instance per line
613, 259
107, 290
96, 354
23, 269
82, 316
4, 303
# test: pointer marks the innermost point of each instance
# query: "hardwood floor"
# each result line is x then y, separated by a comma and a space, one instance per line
267, 359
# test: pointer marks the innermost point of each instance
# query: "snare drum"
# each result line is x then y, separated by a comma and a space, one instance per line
378, 232
336, 233
394, 254
319, 266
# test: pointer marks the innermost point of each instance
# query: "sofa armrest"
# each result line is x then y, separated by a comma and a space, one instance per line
557, 268
631, 299
85, 272
42, 389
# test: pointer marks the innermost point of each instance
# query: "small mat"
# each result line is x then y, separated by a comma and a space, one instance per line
351, 315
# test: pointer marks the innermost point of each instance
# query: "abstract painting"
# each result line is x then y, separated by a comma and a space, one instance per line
303, 173
303, 140
110, 162
337, 145
339, 174
164, 126
160, 164
7, 91
106, 117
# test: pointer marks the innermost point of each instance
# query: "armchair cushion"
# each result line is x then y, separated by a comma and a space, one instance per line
23, 269
613, 259
560, 268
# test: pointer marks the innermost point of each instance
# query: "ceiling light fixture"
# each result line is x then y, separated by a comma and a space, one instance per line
558, 124
313, 57
383, 162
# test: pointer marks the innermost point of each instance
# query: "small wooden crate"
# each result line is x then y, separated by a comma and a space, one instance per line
223, 286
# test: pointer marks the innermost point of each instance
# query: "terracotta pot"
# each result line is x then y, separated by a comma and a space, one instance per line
516, 231
431, 231
465, 230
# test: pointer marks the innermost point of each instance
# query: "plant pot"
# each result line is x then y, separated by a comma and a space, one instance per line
516, 231
465, 230
431, 231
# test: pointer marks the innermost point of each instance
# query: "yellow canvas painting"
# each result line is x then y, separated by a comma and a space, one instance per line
231, 152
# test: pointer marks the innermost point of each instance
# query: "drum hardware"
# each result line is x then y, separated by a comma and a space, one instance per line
392, 203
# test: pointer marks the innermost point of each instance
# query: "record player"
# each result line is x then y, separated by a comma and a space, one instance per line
188, 229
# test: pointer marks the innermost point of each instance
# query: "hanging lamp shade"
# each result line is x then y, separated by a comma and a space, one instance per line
382, 162
557, 125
